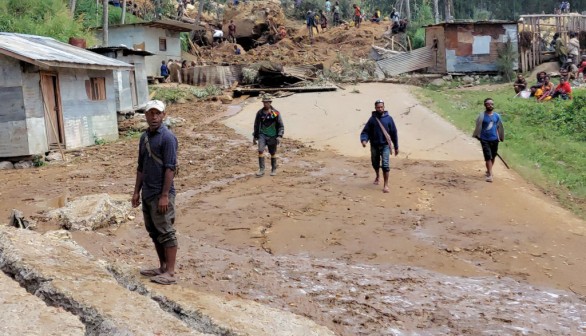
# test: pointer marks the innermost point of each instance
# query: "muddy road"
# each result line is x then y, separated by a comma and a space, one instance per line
443, 253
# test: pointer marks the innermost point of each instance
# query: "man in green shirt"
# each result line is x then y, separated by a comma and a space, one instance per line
268, 132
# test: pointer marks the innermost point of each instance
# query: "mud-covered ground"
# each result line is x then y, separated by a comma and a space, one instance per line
443, 253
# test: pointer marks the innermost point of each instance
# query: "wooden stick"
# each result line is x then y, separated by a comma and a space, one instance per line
45, 105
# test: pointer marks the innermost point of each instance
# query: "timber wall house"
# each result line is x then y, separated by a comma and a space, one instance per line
53, 94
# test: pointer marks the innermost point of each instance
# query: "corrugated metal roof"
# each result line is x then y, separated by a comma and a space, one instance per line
46, 51
467, 22
405, 62
124, 49
164, 24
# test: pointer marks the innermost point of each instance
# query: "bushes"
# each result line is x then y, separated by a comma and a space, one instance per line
41, 17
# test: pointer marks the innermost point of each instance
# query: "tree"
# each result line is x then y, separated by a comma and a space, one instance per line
436, 11
105, 23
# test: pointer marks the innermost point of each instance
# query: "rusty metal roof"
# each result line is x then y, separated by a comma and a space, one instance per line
468, 22
125, 50
164, 24
48, 52
408, 61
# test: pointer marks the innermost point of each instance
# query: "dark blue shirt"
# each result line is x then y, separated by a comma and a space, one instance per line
163, 145
164, 70
489, 127
372, 131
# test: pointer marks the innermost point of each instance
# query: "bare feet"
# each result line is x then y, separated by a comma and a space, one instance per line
375, 181
386, 190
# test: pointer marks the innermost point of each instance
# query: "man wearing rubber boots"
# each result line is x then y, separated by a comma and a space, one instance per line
381, 131
268, 132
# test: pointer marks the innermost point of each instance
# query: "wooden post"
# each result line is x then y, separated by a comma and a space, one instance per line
47, 116
393, 42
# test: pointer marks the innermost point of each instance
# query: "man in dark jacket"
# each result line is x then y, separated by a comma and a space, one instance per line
268, 132
381, 131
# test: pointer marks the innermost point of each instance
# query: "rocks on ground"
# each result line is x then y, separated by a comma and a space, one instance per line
93, 212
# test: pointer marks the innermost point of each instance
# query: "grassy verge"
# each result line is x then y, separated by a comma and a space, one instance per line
545, 142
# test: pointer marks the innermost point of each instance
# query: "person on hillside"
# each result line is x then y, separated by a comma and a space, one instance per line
282, 33
328, 8
157, 164
218, 35
268, 132
563, 90
545, 91
310, 22
323, 20
232, 32
403, 25
164, 71
574, 48
561, 52
357, 15
489, 131
336, 14
376, 16
381, 131
394, 15
520, 84
237, 50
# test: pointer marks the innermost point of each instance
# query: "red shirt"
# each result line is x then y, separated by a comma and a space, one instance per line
357, 11
564, 88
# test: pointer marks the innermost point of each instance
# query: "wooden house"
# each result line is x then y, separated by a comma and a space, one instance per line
469, 47
54, 94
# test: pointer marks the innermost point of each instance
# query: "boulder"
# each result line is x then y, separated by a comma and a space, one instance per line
467, 80
53, 156
226, 99
23, 165
437, 82
92, 212
6, 165
447, 78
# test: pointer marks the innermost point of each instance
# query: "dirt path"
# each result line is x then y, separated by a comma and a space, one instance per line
444, 253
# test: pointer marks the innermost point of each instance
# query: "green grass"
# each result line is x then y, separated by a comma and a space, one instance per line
544, 142
171, 95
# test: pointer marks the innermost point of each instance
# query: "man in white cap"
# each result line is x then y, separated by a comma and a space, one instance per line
268, 132
157, 164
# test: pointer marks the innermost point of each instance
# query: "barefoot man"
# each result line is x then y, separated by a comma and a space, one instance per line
381, 131
157, 163
489, 131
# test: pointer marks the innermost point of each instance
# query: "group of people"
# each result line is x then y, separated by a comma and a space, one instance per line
563, 8
177, 71
568, 54
157, 166
544, 89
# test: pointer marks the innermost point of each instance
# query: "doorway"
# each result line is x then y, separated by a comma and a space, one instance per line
52, 108
133, 91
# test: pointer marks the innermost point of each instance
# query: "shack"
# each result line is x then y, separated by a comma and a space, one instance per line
469, 47
161, 37
54, 94
131, 86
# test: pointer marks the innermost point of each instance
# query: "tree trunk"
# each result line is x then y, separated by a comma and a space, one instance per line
408, 9
436, 11
199, 11
72, 4
448, 4
124, 11
105, 23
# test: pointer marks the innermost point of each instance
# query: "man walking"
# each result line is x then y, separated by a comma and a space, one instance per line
490, 131
381, 131
157, 164
268, 132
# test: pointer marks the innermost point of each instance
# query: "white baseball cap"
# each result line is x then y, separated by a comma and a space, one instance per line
155, 104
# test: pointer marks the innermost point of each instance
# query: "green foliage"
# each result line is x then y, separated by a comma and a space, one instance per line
545, 142
170, 95
346, 10
39, 161
507, 57
41, 17
184, 39
208, 91
99, 141
422, 16
482, 15
91, 13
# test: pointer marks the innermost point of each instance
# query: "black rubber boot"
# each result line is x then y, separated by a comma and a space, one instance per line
261, 166
273, 166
